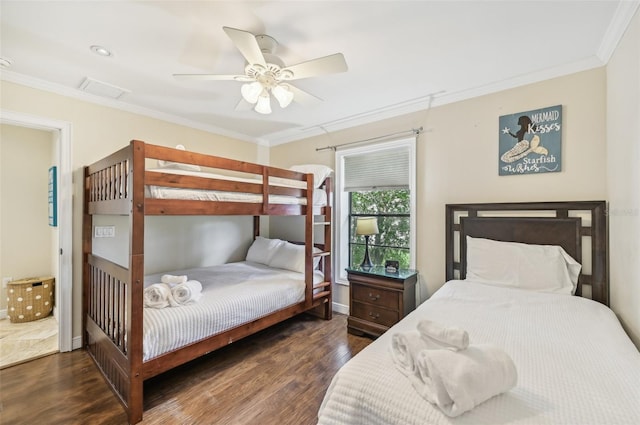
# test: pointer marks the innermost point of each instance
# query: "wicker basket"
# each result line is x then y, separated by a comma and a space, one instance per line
29, 299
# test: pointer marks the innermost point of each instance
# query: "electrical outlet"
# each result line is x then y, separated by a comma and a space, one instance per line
104, 232
109, 231
6, 280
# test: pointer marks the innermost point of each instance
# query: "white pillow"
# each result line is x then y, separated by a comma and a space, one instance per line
178, 165
262, 250
290, 256
168, 165
320, 172
543, 268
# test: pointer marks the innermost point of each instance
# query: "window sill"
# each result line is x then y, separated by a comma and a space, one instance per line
343, 282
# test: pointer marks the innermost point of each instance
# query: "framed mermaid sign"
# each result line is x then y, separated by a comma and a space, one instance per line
530, 142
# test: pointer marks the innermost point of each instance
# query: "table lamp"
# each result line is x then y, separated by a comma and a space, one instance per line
366, 226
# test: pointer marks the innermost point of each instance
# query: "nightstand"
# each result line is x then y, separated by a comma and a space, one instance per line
378, 300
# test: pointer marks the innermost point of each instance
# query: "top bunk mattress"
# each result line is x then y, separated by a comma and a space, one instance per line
162, 192
232, 294
574, 362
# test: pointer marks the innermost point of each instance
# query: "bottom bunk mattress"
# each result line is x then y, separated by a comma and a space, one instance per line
232, 294
574, 363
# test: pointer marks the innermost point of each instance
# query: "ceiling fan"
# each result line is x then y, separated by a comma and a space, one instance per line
266, 74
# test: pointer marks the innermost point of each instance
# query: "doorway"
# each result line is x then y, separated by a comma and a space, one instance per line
61, 137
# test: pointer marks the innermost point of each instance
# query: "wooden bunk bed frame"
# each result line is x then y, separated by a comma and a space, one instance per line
113, 295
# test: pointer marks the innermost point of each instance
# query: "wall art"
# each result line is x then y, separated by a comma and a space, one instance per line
530, 142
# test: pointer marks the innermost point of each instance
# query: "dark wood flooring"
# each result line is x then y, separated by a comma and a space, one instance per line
278, 376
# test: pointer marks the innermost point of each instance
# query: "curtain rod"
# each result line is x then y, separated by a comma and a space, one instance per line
415, 131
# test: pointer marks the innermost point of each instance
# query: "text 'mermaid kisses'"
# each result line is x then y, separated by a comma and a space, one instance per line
541, 123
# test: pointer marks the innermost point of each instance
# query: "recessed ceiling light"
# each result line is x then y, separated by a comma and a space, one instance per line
5, 63
100, 50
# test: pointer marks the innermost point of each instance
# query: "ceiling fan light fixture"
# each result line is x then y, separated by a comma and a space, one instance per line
283, 95
263, 105
266, 74
251, 91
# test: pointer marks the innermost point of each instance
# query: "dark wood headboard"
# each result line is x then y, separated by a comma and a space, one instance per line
543, 223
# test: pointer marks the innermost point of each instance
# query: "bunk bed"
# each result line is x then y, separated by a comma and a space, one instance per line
125, 183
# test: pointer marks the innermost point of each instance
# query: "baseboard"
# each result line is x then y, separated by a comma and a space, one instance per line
3, 314
76, 343
341, 308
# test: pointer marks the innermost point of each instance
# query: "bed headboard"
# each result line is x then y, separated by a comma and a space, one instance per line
580, 227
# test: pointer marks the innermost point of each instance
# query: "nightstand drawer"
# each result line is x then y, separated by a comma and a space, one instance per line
374, 314
377, 296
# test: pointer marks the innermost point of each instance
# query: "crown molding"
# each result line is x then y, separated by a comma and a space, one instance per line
619, 23
431, 100
43, 85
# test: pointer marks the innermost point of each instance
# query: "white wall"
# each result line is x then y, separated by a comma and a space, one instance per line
175, 243
26, 237
623, 178
457, 158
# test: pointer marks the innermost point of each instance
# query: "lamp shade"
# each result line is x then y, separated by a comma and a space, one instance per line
283, 95
251, 91
366, 226
264, 103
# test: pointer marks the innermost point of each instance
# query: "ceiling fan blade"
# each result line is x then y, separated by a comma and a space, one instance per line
302, 97
325, 65
213, 77
247, 44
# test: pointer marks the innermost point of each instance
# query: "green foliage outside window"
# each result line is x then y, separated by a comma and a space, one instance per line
392, 208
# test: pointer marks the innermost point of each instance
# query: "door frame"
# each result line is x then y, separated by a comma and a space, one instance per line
64, 281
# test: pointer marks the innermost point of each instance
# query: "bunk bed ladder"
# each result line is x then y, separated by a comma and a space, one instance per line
322, 291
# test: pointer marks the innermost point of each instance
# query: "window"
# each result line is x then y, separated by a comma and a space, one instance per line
376, 181
392, 210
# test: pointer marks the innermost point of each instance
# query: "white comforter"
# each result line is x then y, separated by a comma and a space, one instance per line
575, 363
161, 192
232, 294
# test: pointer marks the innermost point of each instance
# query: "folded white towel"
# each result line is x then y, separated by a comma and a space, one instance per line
157, 295
405, 347
171, 280
451, 338
457, 381
186, 293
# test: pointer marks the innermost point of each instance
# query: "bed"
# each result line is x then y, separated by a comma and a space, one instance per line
574, 362
130, 343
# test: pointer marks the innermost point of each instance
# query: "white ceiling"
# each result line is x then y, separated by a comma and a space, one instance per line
402, 55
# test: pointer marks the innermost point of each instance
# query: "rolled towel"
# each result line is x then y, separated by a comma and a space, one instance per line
186, 293
451, 338
171, 280
405, 346
157, 295
457, 381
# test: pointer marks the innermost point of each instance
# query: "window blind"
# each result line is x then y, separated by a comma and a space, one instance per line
378, 170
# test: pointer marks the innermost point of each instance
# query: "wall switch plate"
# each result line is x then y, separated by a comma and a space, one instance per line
6, 280
104, 231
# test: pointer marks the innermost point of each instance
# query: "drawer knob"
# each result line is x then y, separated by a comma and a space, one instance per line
375, 316
375, 297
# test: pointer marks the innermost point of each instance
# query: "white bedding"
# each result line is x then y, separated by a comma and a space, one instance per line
575, 364
232, 294
161, 192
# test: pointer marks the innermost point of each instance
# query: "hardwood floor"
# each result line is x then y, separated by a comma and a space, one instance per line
278, 376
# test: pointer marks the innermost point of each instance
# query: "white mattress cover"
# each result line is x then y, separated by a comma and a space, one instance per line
232, 294
162, 192
575, 363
